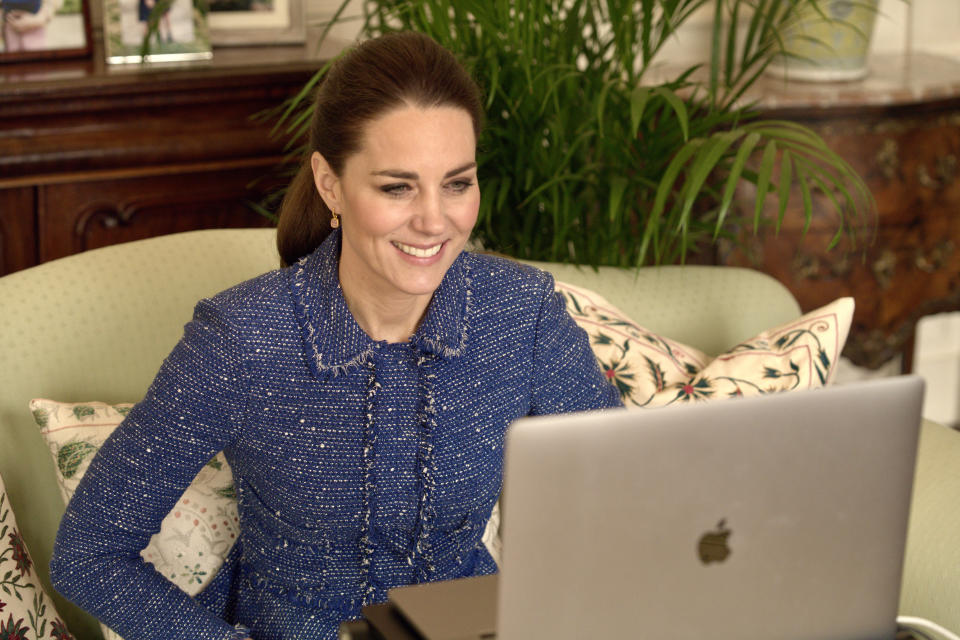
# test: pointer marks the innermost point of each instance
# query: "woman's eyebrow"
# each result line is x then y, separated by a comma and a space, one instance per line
411, 175
396, 173
469, 165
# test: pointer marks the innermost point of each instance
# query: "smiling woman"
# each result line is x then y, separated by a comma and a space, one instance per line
361, 87
408, 200
361, 394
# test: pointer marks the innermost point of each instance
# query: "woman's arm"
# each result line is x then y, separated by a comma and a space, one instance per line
193, 409
566, 376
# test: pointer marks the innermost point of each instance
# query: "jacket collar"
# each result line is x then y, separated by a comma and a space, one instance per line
335, 343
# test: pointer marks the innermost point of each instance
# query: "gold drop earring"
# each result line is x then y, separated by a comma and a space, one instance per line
334, 220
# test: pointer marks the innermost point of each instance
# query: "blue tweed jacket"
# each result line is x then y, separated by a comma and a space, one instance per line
359, 465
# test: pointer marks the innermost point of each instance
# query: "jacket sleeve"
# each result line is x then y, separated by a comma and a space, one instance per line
193, 409
566, 376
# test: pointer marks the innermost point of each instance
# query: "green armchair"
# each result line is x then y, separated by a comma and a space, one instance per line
96, 326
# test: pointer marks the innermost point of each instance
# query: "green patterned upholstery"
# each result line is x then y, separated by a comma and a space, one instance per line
97, 325
931, 577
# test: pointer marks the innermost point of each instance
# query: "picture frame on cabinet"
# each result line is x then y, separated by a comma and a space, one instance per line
44, 29
178, 31
257, 22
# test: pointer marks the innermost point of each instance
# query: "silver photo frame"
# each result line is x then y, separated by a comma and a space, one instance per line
178, 31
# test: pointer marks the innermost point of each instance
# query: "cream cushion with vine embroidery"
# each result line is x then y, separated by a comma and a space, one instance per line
26, 610
651, 370
194, 539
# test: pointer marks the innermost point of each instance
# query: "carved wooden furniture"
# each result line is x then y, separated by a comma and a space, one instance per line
900, 129
92, 156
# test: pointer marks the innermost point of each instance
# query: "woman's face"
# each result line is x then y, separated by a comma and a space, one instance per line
408, 200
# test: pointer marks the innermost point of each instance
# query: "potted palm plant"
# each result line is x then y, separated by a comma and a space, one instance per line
586, 159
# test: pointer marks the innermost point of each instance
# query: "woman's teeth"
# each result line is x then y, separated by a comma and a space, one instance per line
418, 253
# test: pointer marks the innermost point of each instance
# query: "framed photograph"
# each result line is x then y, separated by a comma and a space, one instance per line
181, 31
41, 29
250, 22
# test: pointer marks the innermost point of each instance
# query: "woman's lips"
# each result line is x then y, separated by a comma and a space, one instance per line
419, 252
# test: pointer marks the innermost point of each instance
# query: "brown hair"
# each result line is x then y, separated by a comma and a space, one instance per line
366, 82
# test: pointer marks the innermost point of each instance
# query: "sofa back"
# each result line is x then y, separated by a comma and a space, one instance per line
97, 325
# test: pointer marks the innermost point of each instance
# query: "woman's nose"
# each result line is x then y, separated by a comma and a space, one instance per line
429, 218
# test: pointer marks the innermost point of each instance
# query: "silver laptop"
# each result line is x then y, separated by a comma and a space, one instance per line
781, 517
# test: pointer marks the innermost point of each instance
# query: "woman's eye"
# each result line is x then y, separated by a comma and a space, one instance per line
395, 189
460, 185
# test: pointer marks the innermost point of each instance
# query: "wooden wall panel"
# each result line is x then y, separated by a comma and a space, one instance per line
77, 216
18, 240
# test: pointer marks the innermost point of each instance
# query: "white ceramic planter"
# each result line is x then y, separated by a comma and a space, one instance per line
829, 50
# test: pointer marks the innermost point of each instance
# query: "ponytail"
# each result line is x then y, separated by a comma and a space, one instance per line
304, 218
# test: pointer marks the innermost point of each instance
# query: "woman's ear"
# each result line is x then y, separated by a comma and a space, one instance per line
326, 181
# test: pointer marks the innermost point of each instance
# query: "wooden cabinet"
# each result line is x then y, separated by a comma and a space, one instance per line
92, 156
900, 129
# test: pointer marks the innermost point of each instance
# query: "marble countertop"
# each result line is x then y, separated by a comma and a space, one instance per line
892, 80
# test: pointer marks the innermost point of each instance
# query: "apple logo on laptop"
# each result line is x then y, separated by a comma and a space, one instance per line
713, 545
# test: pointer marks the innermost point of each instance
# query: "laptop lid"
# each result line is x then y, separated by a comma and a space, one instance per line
779, 517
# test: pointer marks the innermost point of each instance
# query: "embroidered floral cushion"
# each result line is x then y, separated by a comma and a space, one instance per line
26, 611
650, 370
194, 538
